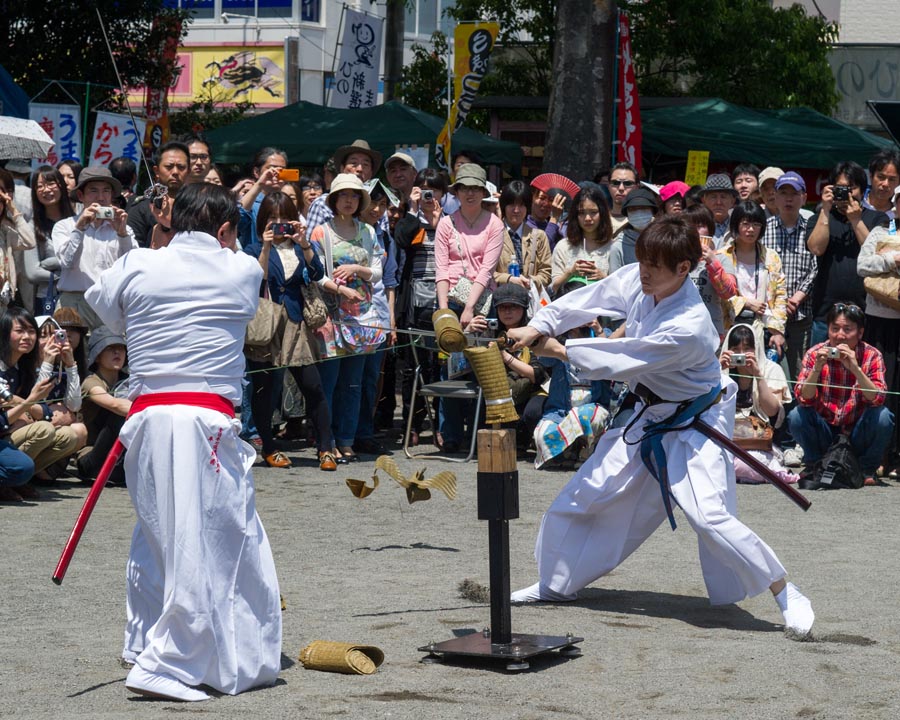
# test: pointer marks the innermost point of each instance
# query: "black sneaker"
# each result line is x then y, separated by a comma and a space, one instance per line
370, 446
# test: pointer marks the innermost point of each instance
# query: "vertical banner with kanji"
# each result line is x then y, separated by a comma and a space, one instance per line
472, 46
697, 167
63, 124
356, 77
157, 105
628, 124
115, 136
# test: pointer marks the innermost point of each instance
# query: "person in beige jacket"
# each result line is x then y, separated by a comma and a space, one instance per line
523, 244
15, 235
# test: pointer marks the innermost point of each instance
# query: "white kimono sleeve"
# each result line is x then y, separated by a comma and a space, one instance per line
629, 359
609, 297
105, 296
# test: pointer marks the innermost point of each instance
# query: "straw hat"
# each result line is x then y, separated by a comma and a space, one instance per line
348, 181
66, 317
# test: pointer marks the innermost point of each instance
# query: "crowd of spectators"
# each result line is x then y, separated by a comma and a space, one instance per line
382, 245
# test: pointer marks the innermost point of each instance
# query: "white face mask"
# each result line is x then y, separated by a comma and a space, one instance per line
640, 218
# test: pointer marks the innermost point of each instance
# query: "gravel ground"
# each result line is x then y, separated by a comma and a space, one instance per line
382, 572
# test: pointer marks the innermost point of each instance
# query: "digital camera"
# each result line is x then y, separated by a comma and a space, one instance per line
289, 174
281, 229
493, 324
60, 336
5, 393
834, 353
428, 195
841, 193
738, 359
105, 213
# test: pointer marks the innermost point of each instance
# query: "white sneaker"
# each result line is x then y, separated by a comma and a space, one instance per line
793, 457
160, 685
540, 593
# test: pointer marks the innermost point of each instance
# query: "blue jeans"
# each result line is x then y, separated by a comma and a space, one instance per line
869, 437
819, 333
16, 468
342, 384
365, 429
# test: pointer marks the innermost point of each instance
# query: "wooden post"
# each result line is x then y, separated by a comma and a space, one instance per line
498, 503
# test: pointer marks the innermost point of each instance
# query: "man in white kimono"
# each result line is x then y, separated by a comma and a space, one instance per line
623, 492
202, 594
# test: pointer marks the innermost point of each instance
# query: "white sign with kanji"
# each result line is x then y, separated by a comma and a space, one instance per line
115, 136
356, 76
63, 124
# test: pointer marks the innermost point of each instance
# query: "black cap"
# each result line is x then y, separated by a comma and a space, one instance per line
510, 294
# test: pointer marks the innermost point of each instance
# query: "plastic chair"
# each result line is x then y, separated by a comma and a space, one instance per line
448, 389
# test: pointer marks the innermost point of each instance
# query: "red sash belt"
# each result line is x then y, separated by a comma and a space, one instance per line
210, 401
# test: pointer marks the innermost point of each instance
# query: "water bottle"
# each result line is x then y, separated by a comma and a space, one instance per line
772, 354
892, 227
514, 270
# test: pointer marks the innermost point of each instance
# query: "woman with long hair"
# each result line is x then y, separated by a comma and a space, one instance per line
583, 256
288, 262
19, 361
50, 200
15, 235
761, 298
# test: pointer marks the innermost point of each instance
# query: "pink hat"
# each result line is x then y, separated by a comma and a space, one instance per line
670, 190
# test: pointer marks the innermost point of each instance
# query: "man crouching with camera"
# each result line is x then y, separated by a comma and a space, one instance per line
841, 389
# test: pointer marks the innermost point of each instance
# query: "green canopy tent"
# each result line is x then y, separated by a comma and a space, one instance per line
310, 133
795, 137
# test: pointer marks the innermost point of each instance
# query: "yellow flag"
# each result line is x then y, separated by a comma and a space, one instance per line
472, 46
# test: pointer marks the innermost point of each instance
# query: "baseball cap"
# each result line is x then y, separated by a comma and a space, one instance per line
792, 179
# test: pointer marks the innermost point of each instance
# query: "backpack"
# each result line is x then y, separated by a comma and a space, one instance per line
837, 470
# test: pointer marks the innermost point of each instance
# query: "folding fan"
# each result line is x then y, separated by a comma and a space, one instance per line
554, 181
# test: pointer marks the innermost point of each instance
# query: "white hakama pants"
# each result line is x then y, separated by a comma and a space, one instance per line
202, 594
613, 504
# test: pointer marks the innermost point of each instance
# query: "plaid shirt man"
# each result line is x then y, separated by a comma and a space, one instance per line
838, 399
797, 263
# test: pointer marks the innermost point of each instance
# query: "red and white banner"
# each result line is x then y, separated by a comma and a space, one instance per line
628, 124
115, 136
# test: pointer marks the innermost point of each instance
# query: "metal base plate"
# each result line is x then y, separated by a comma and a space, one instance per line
515, 653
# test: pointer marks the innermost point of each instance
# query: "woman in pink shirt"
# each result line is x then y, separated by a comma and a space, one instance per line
467, 243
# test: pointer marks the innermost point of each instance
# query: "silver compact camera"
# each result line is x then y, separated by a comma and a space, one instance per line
834, 353
428, 195
493, 324
104, 213
61, 336
738, 359
5, 393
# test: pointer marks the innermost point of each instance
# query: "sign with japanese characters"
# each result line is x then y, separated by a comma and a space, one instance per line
115, 136
472, 45
697, 167
356, 75
63, 124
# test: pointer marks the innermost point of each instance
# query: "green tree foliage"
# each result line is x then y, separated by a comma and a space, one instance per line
64, 41
423, 83
743, 51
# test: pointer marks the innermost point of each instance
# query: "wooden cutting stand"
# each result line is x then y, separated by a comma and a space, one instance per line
498, 503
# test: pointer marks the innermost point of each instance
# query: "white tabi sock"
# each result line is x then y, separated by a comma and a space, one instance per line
796, 609
160, 685
540, 593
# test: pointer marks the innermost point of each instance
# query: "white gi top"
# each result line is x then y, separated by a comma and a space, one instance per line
670, 347
184, 310
84, 254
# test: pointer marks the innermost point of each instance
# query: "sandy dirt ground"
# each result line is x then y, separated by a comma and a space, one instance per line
382, 572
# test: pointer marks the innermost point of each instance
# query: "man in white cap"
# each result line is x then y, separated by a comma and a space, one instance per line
202, 595
401, 173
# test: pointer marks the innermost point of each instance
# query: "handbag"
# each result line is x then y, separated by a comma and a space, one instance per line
266, 323
885, 288
460, 292
315, 311
752, 433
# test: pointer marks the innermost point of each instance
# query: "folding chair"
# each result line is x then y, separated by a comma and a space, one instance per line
446, 389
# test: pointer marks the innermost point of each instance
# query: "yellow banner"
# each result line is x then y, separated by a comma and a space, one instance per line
472, 46
697, 167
